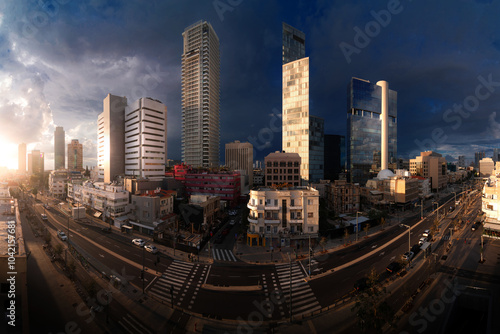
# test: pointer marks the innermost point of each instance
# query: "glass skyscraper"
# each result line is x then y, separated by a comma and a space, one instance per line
364, 129
301, 133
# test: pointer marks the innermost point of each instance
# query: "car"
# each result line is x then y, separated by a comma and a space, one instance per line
106, 229
408, 256
415, 249
44, 216
361, 284
232, 222
393, 267
62, 235
138, 242
219, 239
226, 231
474, 227
426, 233
422, 241
151, 249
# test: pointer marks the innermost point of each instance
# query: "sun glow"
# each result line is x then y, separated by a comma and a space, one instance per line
8, 154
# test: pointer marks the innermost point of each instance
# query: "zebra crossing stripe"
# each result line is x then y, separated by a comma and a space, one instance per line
232, 255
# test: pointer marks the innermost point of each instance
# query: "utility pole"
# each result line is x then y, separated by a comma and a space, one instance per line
290, 261
409, 229
143, 250
482, 249
310, 250
357, 227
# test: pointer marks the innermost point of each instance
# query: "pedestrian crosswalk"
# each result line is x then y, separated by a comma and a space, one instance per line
132, 325
291, 279
177, 282
223, 255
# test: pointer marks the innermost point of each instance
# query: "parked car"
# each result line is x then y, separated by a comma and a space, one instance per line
422, 241
393, 267
138, 242
62, 235
415, 249
426, 233
106, 229
474, 227
226, 231
151, 249
408, 256
44, 216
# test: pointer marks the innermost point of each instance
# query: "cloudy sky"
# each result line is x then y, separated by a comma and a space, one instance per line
60, 58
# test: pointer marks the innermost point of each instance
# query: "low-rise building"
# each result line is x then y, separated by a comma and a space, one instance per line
491, 207
283, 217
486, 167
430, 165
148, 209
282, 168
343, 197
57, 183
224, 184
110, 200
200, 214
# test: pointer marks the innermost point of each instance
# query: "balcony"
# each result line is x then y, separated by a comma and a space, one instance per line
272, 207
253, 220
296, 221
251, 207
296, 207
271, 221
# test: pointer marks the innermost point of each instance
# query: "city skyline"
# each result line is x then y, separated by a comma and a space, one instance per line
446, 79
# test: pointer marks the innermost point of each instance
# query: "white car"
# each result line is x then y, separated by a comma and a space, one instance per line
138, 242
62, 235
422, 241
408, 256
151, 249
426, 233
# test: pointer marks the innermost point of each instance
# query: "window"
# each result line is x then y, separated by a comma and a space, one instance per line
268, 229
261, 229
292, 202
275, 229
310, 214
311, 228
260, 214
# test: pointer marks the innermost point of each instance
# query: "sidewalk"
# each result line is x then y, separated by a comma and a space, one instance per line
264, 255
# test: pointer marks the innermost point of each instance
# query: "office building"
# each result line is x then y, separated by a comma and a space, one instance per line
432, 166
371, 128
36, 162
491, 207
495, 155
283, 217
334, 156
486, 167
294, 44
282, 169
111, 138
477, 157
200, 96
59, 148
302, 133
343, 197
146, 138
226, 185
239, 156
21, 158
461, 161
75, 156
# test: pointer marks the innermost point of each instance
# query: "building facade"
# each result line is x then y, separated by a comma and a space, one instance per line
294, 44
146, 138
461, 161
334, 156
486, 167
21, 158
111, 138
430, 165
110, 200
36, 162
364, 129
282, 168
59, 148
75, 156
491, 207
200, 96
343, 197
477, 157
282, 217
239, 156
226, 185
57, 183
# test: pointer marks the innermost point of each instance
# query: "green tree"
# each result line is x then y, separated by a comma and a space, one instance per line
71, 269
58, 249
34, 191
372, 310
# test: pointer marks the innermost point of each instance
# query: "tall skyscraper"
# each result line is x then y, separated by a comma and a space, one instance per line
302, 133
59, 148
36, 163
111, 138
461, 161
200, 96
477, 157
21, 158
239, 156
294, 44
365, 152
495, 155
146, 138
75, 156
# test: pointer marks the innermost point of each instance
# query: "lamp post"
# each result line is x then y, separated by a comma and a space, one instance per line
455, 197
357, 227
409, 229
437, 208
290, 262
421, 205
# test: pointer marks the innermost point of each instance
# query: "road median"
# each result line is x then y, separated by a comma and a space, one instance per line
239, 288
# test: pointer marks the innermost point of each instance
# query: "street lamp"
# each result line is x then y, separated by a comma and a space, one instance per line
437, 209
421, 205
409, 229
455, 197
357, 227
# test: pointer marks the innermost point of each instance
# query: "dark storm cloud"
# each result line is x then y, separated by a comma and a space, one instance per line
73, 53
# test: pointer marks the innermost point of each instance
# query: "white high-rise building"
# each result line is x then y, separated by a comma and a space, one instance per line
146, 138
200, 96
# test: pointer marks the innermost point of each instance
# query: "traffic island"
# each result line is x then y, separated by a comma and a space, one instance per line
237, 288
